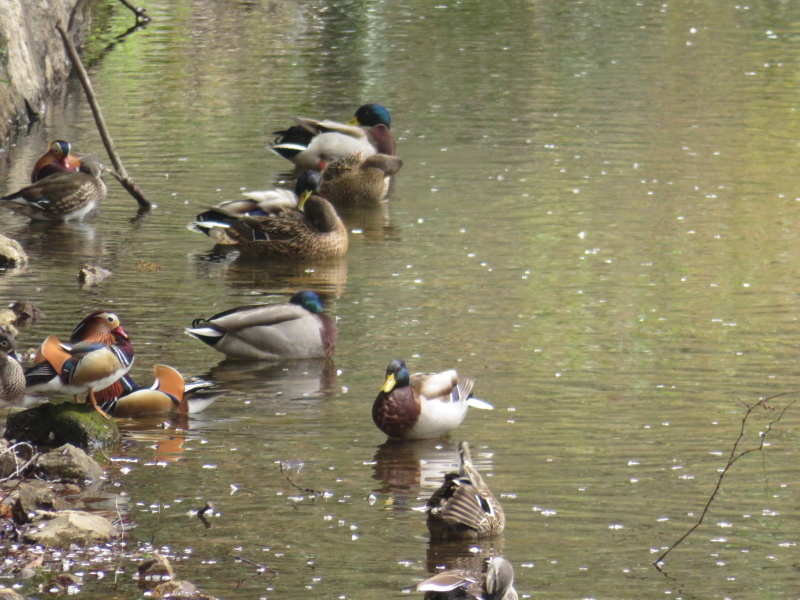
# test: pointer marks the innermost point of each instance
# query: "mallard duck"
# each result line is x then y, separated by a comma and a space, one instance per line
262, 204
315, 232
296, 330
81, 368
310, 144
495, 583
357, 181
57, 159
464, 507
12, 377
61, 196
422, 406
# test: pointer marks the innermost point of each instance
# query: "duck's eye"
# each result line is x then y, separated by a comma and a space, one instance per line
110, 319
4, 343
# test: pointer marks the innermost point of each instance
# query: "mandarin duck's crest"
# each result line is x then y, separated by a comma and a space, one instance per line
57, 159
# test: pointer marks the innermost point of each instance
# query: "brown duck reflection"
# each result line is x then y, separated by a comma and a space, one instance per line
328, 278
456, 554
407, 469
295, 380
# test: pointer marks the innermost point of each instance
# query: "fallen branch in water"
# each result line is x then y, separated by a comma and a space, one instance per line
120, 174
731, 460
260, 570
315, 493
141, 13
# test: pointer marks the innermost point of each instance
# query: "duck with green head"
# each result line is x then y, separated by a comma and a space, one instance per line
298, 329
311, 144
423, 405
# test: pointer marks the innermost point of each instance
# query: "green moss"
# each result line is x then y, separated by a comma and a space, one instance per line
53, 425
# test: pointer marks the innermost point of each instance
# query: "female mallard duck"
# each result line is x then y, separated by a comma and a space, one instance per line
310, 144
169, 393
295, 330
62, 196
81, 368
57, 159
464, 507
315, 232
423, 405
357, 181
12, 377
495, 583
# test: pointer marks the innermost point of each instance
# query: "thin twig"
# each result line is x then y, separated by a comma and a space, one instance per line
731, 460
261, 569
126, 181
316, 493
141, 13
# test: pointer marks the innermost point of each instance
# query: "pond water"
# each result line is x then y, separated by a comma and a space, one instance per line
596, 218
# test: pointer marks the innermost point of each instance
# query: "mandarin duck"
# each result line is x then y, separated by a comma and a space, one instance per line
315, 232
310, 144
463, 507
97, 327
61, 196
357, 181
82, 367
423, 405
169, 393
12, 376
495, 583
295, 330
57, 159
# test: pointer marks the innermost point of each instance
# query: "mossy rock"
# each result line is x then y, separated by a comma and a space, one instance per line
54, 425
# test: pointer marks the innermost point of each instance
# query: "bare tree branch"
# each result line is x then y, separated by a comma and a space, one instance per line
123, 178
731, 460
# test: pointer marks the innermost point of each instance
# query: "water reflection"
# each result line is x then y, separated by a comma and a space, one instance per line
404, 469
327, 278
293, 380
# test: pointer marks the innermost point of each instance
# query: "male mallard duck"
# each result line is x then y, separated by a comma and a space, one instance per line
83, 367
262, 204
315, 232
169, 393
422, 406
12, 377
295, 330
62, 196
311, 144
464, 507
495, 583
357, 181
57, 159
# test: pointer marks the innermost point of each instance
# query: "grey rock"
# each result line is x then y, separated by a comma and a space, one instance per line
9, 594
71, 527
34, 497
70, 464
11, 252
